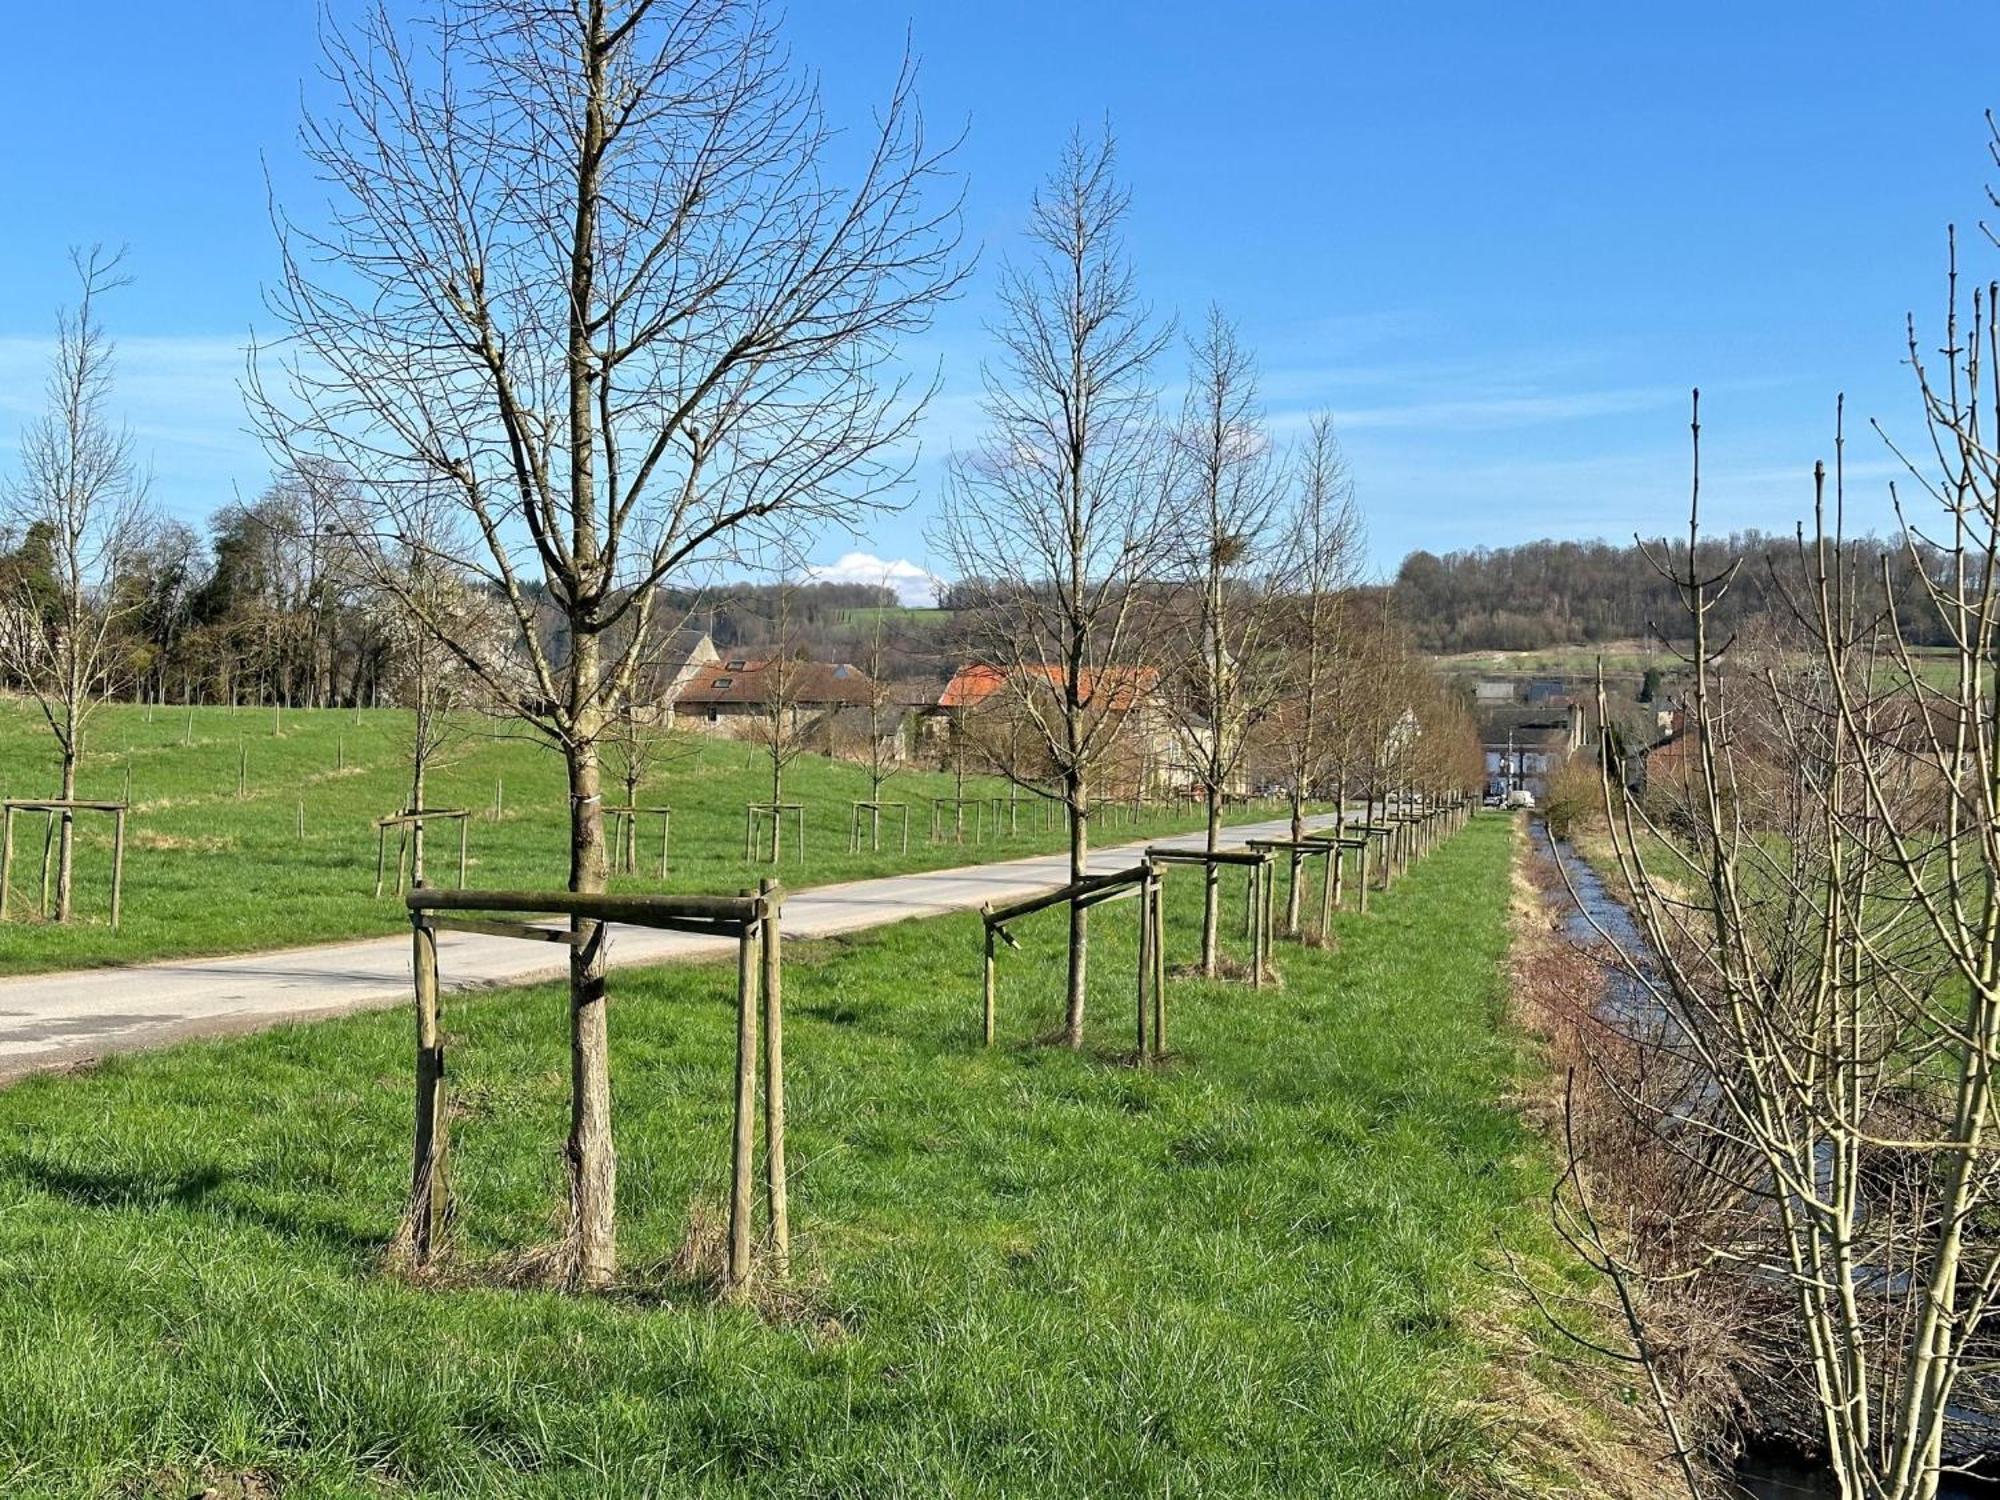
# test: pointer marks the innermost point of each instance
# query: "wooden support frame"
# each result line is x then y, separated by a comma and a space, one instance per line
753, 918
59, 807
755, 812
876, 810
1257, 886
623, 823
1299, 851
406, 821
1145, 881
980, 807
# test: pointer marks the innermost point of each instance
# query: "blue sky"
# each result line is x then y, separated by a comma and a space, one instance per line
1498, 242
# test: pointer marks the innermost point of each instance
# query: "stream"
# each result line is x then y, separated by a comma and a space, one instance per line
1762, 1473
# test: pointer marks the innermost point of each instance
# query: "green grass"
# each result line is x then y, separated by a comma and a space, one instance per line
1051, 1274
208, 871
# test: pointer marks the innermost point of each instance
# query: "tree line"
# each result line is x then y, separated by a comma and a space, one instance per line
1540, 594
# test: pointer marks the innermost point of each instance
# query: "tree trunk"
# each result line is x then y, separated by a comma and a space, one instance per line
777, 796
66, 844
417, 805
1298, 861
592, 1162
1211, 886
1079, 917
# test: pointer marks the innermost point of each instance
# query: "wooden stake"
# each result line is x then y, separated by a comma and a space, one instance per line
1145, 960
6, 857
118, 867
777, 1207
987, 1023
430, 1193
1159, 904
741, 1142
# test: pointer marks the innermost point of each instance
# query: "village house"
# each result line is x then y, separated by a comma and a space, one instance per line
732, 697
1145, 756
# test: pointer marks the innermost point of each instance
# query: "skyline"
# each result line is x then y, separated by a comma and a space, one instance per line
1500, 250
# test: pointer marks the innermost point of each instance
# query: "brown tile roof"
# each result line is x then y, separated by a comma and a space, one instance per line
740, 679
1122, 687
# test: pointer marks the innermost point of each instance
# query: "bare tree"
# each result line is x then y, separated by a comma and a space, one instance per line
1818, 884
587, 270
884, 762
1223, 682
77, 514
1321, 561
427, 678
780, 726
1053, 520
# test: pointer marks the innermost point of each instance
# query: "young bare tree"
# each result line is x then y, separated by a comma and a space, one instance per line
1224, 681
780, 727
427, 678
1321, 561
884, 716
1819, 890
76, 514
589, 270
1055, 518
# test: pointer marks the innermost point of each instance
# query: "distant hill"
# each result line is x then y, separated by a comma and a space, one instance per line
1546, 594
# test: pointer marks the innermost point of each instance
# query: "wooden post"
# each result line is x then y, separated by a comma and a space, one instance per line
6, 856
302, 820
1255, 915
242, 768
987, 1024
741, 1142
749, 831
1159, 902
1249, 898
117, 866
1361, 873
778, 1210
467, 818
48, 844
381, 852
430, 1192
666, 832
1145, 960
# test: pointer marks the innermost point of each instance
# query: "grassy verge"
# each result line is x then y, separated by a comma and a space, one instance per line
211, 871
1249, 1273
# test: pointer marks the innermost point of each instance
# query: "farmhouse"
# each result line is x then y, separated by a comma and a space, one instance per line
735, 696
1145, 754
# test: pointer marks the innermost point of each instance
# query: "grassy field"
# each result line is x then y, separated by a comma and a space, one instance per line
1035, 1273
209, 871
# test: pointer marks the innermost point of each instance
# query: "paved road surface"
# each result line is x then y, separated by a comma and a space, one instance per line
58, 1020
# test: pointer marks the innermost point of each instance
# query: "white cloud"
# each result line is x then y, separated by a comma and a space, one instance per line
912, 583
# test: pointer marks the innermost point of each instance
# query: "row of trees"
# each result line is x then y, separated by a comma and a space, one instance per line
600, 305
1117, 560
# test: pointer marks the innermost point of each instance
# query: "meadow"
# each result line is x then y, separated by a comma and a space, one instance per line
1252, 1271
212, 870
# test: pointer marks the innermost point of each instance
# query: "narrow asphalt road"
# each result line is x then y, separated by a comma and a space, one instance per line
63, 1019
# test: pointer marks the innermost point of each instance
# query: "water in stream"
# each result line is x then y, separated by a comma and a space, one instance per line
1761, 1475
